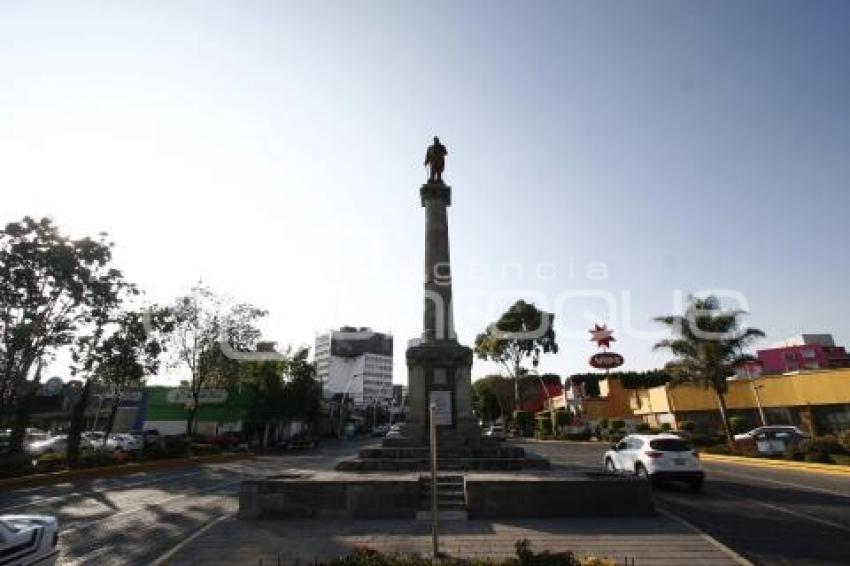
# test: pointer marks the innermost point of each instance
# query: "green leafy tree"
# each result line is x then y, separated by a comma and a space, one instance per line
129, 354
51, 286
492, 397
522, 332
708, 343
210, 339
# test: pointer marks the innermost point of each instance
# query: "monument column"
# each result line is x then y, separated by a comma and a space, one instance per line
437, 317
439, 369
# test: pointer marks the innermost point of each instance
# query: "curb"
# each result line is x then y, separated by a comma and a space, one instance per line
118, 470
831, 469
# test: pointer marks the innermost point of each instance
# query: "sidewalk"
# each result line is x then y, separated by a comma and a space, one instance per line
657, 540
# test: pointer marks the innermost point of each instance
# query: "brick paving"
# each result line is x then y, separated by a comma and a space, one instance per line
648, 541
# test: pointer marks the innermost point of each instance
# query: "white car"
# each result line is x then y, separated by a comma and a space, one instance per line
496, 431
28, 540
54, 445
656, 457
125, 442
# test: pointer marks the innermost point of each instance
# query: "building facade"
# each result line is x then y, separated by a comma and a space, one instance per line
355, 363
802, 353
816, 401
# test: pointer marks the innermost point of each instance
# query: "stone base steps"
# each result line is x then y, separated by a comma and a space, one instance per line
451, 498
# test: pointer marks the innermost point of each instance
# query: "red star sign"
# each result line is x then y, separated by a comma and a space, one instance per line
602, 336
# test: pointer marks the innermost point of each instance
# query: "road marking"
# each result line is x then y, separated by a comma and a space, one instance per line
181, 545
784, 483
799, 514
710, 539
78, 527
90, 491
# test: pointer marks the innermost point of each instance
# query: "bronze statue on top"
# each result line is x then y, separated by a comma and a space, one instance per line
436, 158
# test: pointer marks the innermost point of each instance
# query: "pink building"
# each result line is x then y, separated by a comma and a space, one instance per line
803, 352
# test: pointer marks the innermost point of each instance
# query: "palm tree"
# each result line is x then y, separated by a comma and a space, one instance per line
708, 343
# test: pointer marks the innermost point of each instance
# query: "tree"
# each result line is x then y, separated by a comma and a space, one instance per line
129, 354
708, 343
303, 392
285, 389
492, 397
523, 331
211, 337
50, 286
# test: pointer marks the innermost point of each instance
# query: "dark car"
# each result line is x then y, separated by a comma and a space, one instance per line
300, 441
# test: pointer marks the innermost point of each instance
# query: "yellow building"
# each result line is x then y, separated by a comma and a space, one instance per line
613, 401
817, 401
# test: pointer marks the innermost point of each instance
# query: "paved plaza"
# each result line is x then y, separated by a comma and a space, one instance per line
658, 540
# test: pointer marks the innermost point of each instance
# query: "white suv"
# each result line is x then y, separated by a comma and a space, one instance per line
656, 457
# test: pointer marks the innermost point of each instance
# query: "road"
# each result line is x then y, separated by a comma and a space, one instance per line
134, 519
769, 516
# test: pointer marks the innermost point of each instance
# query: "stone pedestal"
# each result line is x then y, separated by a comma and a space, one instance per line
440, 373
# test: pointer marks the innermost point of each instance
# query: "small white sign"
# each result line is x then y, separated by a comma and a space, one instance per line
442, 401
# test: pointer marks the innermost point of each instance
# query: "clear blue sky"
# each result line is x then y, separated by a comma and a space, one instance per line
274, 150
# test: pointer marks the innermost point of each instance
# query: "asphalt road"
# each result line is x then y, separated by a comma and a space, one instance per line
135, 519
769, 516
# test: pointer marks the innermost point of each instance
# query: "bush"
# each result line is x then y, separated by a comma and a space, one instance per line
524, 557
738, 424
716, 449
603, 424
642, 427
794, 453
666, 427
582, 436
95, 458
14, 465
617, 423
819, 449
175, 446
707, 440
688, 426
205, 449
844, 440
49, 462
617, 435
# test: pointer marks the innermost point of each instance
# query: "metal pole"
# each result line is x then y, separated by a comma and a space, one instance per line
435, 510
755, 389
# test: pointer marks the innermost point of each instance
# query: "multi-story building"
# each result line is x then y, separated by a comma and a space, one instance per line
802, 353
356, 363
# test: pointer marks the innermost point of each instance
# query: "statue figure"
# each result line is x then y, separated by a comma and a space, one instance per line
436, 158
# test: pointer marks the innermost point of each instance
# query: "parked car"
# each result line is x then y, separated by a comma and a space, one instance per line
396, 431
380, 431
301, 440
656, 457
54, 445
496, 431
788, 430
150, 437
124, 443
28, 540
